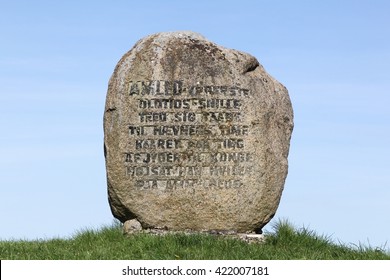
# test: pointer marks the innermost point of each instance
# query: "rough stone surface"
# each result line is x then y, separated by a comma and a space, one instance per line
131, 226
196, 136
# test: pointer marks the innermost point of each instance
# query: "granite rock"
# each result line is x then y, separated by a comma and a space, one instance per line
196, 136
131, 226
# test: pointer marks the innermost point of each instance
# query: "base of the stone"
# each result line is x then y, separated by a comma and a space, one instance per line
133, 226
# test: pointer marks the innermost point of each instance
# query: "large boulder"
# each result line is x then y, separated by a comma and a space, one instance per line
196, 136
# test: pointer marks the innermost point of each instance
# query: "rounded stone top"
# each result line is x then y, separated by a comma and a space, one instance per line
179, 34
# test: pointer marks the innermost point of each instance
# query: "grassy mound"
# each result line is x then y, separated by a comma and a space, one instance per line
109, 243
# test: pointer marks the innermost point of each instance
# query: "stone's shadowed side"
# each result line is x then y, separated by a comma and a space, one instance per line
196, 136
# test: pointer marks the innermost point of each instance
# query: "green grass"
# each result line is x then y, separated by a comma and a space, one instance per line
109, 243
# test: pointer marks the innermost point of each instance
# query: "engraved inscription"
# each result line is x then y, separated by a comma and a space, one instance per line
187, 136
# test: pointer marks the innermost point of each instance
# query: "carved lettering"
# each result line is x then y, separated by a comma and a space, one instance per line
187, 136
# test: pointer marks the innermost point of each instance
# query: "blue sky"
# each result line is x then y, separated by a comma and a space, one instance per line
333, 56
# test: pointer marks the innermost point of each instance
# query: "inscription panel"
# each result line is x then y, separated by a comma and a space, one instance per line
186, 136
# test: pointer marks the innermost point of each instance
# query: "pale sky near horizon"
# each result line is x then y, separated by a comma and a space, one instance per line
333, 56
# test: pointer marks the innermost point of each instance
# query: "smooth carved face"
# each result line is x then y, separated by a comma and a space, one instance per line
187, 136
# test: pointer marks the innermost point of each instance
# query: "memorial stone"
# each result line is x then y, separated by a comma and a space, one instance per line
196, 136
